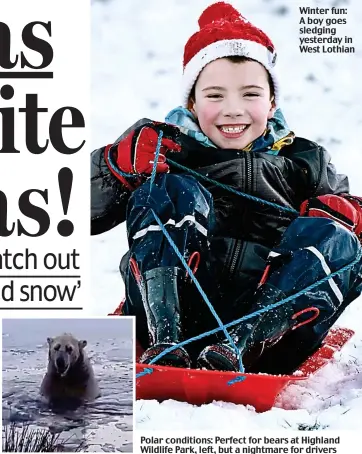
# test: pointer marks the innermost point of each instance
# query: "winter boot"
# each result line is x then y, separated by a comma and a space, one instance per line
162, 307
269, 326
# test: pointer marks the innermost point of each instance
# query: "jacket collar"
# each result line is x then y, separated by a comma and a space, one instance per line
276, 135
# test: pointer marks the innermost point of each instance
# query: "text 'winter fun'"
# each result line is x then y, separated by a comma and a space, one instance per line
322, 31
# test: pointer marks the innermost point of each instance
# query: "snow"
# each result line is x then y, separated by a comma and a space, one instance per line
136, 71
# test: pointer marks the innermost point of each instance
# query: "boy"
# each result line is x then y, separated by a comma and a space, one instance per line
246, 255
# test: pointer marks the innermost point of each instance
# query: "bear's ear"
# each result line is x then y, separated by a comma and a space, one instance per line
50, 340
82, 344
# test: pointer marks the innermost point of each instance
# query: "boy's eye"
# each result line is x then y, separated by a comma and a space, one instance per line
214, 96
252, 95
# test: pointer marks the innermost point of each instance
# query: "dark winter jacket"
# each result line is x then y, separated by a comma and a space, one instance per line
245, 230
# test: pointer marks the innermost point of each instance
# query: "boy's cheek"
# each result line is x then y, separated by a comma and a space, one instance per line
208, 114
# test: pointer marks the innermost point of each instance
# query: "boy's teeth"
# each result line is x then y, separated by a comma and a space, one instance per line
233, 129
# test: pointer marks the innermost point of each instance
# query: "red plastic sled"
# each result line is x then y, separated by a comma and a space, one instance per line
259, 390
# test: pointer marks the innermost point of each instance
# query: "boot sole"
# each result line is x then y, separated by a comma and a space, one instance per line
213, 360
177, 358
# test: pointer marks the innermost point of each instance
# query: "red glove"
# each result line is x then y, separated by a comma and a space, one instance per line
345, 209
135, 153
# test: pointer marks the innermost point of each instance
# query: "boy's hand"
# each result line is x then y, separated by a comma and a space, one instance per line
136, 153
345, 209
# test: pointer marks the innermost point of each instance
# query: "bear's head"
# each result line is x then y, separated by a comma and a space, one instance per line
64, 352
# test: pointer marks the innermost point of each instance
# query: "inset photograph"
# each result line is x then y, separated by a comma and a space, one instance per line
68, 384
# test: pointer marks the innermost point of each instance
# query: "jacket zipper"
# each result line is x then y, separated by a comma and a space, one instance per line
235, 256
247, 189
248, 183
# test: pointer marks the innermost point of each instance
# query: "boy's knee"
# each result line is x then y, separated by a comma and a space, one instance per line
330, 241
172, 196
336, 241
329, 234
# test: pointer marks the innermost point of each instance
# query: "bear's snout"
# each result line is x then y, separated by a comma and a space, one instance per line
62, 364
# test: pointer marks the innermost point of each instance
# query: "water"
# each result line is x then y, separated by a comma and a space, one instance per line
107, 423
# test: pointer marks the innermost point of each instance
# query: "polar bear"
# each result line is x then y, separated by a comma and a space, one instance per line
70, 374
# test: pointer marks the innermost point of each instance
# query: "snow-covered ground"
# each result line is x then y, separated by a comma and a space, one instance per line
136, 71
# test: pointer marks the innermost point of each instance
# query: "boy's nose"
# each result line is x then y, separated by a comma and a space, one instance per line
233, 109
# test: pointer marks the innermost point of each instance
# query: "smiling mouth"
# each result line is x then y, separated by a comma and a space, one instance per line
232, 131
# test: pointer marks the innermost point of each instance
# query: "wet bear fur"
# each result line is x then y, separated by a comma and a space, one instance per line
70, 376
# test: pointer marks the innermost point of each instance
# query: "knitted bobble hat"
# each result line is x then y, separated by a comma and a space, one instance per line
224, 32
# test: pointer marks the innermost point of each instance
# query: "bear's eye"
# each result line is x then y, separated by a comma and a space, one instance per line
57, 347
69, 349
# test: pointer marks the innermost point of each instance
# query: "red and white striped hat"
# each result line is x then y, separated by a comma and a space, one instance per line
224, 32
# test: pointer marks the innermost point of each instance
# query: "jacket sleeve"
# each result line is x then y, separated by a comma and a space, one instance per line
319, 176
329, 181
109, 197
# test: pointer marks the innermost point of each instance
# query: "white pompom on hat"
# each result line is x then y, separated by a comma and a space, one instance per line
224, 32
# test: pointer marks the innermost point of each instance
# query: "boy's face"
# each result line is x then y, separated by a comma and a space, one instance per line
232, 102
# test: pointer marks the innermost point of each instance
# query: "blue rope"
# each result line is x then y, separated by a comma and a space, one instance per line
203, 294
197, 175
231, 189
222, 327
155, 162
184, 263
262, 310
239, 378
117, 170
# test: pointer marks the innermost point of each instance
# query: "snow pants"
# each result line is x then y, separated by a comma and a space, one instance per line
309, 250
